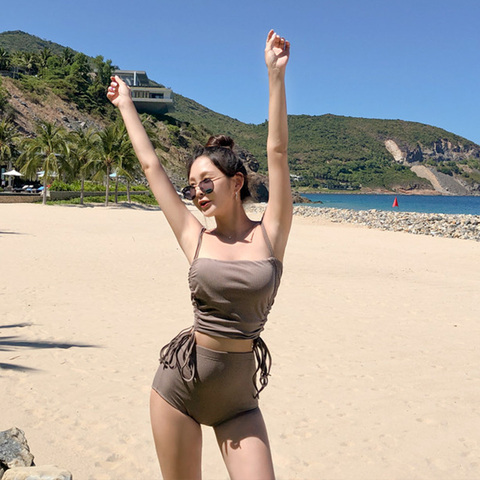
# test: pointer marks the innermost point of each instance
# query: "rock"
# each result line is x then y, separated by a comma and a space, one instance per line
14, 450
415, 156
47, 472
297, 198
258, 188
442, 225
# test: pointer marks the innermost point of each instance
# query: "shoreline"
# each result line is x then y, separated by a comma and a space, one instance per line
410, 193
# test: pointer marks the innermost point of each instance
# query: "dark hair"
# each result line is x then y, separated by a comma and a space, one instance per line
219, 149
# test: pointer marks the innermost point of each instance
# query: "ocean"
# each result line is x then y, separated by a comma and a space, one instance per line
406, 203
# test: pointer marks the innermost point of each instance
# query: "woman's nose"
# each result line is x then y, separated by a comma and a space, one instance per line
198, 191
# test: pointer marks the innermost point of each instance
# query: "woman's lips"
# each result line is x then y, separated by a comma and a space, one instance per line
205, 204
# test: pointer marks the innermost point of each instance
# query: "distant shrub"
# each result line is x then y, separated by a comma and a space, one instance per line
59, 186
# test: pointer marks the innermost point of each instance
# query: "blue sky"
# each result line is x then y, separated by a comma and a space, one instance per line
414, 60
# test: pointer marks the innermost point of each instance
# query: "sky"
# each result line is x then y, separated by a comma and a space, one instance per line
415, 60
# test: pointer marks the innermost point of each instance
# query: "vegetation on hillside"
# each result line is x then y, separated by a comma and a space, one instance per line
71, 75
336, 152
17, 40
325, 152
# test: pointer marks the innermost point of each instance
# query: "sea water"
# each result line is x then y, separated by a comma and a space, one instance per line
406, 203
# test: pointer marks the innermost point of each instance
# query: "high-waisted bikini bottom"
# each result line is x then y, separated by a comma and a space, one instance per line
220, 389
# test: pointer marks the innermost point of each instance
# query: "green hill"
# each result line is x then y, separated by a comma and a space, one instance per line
325, 152
347, 153
18, 41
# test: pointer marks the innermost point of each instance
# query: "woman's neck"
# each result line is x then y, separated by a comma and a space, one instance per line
233, 226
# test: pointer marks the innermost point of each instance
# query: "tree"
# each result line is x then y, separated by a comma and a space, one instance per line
25, 61
113, 146
83, 146
8, 143
43, 57
67, 56
4, 59
48, 152
103, 70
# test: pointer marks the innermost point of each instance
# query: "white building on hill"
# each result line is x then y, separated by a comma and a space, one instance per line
148, 97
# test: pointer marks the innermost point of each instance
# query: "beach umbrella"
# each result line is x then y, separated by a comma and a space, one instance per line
13, 173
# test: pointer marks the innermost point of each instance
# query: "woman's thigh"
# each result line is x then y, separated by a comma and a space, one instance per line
178, 440
244, 444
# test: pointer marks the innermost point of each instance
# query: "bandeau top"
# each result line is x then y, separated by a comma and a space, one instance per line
232, 298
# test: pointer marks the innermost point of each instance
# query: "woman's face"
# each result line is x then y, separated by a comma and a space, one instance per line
217, 201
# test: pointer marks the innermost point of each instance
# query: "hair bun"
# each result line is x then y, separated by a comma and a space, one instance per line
220, 141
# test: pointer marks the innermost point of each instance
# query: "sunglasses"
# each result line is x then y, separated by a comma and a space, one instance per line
206, 186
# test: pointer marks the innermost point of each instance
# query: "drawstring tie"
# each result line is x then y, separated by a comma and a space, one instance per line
179, 353
173, 355
264, 363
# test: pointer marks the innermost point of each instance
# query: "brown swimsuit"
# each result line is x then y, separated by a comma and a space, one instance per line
231, 299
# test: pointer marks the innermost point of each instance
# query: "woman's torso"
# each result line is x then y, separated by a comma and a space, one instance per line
233, 286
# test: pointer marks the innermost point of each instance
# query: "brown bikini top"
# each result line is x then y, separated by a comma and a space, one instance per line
232, 298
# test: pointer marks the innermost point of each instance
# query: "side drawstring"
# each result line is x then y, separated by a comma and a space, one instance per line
170, 356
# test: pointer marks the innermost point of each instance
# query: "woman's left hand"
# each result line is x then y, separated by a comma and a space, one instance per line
277, 52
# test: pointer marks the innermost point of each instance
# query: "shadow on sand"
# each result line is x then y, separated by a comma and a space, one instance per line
11, 343
11, 233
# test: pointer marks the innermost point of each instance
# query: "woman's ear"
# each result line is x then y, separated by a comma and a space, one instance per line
239, 180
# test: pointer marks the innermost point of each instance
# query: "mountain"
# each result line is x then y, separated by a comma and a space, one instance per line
347, 153
325, 152
18, 41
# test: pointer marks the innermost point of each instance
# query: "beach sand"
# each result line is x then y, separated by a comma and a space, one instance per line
374, 337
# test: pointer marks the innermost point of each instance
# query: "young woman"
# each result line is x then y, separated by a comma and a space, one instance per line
213, 372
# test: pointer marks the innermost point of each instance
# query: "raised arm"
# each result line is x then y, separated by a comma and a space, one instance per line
278, 216
184, 224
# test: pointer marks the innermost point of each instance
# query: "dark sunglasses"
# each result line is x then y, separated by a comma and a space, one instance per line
206, 186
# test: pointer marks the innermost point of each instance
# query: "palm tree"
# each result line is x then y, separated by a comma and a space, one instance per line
112, 146
27, 61
83, 146
126, 161
4, 59
67, 56
8, 144
47, 151
116, 154
128, 164
43, 57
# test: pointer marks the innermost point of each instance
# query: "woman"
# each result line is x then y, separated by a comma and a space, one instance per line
210, 373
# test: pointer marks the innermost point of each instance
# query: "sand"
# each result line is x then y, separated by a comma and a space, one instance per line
374, 337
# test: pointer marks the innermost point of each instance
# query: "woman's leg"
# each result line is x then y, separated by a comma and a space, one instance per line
243, 442
178, 440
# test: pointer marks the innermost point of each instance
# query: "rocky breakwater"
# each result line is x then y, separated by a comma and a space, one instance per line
466, 227
16, 460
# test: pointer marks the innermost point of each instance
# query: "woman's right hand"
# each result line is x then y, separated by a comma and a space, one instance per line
119, 92
277, 52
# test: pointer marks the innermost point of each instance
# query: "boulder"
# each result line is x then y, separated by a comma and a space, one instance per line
297, 198
14, 450
46, 472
